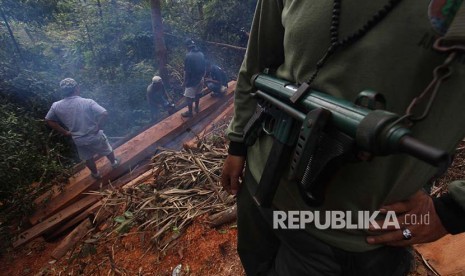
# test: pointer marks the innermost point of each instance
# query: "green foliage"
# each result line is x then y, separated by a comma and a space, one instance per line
32, 11
23, 154
125, 222
27, 155
108, 47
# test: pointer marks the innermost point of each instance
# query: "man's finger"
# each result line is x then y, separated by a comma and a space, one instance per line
406, 205
391, 238
398, 207
381, 227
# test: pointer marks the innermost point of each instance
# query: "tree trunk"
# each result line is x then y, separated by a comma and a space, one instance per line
159, 40
91, 44
15, 43
99, 5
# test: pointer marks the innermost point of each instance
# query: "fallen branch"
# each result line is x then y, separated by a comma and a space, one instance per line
74, 237
223, 217
226, 45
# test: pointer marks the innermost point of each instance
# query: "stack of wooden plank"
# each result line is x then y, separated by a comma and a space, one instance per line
444, 256
63, 208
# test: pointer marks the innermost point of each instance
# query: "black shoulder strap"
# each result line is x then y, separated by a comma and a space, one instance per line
280, 4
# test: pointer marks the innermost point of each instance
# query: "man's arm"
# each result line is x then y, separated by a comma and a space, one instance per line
56, 126
211, 80
100, 114
450, 207
101, 119
265, 50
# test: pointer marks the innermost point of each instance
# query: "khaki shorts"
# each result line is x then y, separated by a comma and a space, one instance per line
99, 145
192, 92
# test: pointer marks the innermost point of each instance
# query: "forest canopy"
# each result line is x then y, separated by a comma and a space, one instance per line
112, 48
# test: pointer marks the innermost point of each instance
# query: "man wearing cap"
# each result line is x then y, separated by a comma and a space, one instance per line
82, 119
194, 71
157, 98
216, 79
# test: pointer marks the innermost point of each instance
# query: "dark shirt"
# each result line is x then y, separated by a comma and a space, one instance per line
156, 94
216, 73
194, 68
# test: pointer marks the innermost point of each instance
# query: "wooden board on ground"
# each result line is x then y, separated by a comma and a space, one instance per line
444, 255
53, 221
198, 129
76, 235
142, 167
208, 105
139, 147
224, 117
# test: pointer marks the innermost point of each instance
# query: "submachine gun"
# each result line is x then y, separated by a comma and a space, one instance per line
320, 132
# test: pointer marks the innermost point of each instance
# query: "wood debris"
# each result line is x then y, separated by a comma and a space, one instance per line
184, 186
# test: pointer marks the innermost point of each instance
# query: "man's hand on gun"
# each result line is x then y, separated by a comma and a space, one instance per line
417, 206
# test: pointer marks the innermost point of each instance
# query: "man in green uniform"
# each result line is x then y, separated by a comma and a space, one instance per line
385, 46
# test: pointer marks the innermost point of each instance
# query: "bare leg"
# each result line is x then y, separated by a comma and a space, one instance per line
189, 113
111, 157
197, 100
90, 163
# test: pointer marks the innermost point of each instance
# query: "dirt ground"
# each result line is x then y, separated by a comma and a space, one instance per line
199, 250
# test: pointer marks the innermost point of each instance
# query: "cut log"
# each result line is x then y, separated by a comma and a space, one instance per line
443, 254
223, 217
93, 210
78, 168
138, 148
54, 220
138, 179
224, 117
195, 130
74, 237
78, 233
135, 176
65, 214
87, 213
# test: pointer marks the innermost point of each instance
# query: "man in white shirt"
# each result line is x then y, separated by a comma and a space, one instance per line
82, 119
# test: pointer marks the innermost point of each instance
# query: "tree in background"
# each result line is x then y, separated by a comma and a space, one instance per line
113, 48
158, 38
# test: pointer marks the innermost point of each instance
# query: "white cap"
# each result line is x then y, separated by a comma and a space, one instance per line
68, 83
156, 79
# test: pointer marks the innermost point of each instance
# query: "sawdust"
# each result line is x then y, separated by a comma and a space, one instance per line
200, 250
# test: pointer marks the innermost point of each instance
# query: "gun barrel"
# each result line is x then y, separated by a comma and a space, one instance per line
422, 151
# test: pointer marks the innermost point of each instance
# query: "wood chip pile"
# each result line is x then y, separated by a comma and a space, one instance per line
184, 185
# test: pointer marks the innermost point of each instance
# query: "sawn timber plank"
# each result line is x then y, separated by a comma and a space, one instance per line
445, 254
53, 221
136, 149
